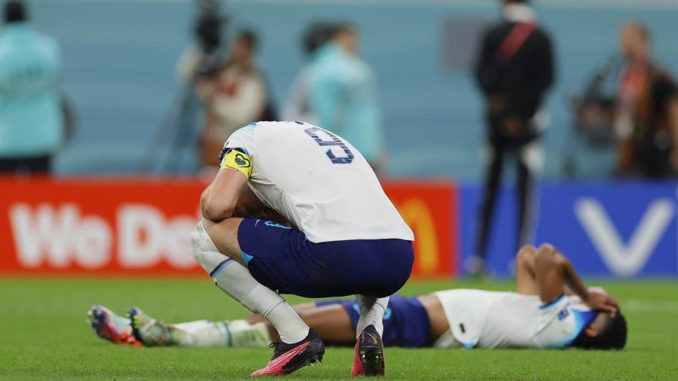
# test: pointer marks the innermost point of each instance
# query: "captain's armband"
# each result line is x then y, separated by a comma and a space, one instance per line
238, 159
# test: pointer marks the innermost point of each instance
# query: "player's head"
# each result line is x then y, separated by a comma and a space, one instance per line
15, 11
634, 41
607, 331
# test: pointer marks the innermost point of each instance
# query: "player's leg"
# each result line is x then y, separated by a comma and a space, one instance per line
236, 280
526, 278
229, 273
372, 311
330, 320
200, 333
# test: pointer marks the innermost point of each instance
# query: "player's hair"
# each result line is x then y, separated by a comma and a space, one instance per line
15, 11
612, 336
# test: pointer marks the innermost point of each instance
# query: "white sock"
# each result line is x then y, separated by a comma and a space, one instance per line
234, 279
371, 313
237, 334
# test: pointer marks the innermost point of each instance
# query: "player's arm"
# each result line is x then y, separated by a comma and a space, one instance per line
249, 206
554, 273
220, 198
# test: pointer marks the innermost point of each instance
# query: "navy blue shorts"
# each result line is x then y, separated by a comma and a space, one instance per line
282, 259
406, 323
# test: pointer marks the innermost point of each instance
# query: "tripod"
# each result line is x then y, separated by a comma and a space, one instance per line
176, 135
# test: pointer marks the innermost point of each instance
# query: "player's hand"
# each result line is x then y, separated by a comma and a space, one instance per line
599, 300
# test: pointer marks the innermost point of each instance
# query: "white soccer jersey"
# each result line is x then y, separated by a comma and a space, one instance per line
491, 319
317, 180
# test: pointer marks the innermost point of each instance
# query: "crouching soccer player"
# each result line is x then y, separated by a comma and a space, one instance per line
551, 309
346, 237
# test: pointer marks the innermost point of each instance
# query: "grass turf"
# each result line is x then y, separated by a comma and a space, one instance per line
43, 336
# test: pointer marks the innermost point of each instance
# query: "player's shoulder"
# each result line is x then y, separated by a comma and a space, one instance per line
247, 136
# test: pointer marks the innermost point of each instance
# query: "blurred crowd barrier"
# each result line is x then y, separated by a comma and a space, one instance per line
137, 226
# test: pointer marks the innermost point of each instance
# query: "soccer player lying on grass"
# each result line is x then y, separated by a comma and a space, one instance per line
551, 309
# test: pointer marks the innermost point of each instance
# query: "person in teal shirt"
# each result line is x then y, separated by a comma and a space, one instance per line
343, 95
31, 122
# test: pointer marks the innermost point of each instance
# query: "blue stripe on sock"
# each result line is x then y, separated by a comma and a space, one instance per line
220, 267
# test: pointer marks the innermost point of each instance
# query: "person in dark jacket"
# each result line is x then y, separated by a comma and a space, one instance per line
514, 69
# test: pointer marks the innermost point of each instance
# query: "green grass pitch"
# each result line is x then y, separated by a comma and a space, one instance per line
43, 335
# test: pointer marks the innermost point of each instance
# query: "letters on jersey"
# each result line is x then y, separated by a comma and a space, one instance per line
238, 159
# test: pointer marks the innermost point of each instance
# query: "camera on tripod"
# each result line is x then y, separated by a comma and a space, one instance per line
209, 34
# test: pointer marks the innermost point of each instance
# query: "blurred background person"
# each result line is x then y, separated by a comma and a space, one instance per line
343, 95
31, 121
297, 105
647, 116
514, 69
234, 96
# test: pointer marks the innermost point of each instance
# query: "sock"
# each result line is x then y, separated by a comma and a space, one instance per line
235, 280
371, 313
237, 334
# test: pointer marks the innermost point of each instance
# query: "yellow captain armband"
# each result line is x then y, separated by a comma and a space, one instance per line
238, 159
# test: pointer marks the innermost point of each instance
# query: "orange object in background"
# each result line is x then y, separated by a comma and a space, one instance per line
430, 209
142, 227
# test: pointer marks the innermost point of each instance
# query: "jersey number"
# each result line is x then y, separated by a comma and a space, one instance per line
333, 140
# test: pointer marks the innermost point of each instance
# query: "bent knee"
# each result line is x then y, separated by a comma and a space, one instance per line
203, 248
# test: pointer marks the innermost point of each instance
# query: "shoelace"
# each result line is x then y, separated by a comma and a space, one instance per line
276, 345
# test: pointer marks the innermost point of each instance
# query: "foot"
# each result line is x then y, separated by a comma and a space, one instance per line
110, 326
288, 358
147, 330
368, 358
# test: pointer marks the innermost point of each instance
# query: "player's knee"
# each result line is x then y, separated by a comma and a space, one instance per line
203, 248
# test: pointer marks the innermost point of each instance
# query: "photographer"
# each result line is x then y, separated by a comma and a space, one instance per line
235, 96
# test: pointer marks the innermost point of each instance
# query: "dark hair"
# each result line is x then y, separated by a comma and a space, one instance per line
15, 11
250, 37
316, 35
613, 336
